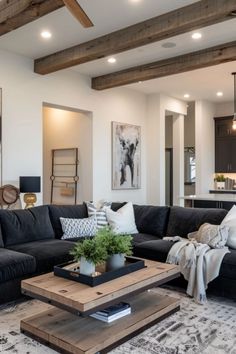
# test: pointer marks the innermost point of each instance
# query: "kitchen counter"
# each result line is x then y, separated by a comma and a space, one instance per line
223, 197
210, 200
222, 191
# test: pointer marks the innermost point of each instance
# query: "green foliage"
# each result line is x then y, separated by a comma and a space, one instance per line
91, 249
103, 245
219, 178
114, 243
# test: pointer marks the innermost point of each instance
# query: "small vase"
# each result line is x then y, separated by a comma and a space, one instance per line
220, 185
86, 267
115, 261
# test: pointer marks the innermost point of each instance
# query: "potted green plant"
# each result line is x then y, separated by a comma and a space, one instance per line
117, 247
89, 252
220, 181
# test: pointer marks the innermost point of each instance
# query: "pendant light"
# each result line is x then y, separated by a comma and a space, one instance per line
234, 117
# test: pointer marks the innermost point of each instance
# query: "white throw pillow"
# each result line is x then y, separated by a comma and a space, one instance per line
214, 236
99, 211
75, 228
122, 221
230, 221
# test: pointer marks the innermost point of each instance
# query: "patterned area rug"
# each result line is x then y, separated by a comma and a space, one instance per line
201, 329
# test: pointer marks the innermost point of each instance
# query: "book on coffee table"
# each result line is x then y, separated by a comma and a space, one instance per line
113, 313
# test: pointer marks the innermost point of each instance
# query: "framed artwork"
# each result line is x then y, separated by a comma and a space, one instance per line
126, 156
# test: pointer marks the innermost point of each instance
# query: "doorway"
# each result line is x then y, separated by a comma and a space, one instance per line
169, 160
189, 151
169, 176
66, 128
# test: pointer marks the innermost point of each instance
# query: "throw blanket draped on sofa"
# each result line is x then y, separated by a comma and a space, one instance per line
199, 264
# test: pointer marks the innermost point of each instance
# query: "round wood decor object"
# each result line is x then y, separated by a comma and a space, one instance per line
9, 194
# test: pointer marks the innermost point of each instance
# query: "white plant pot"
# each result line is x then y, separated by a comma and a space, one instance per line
86, 267
115, 261
220, 185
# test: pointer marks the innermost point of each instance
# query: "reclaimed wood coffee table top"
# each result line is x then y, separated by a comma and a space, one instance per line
76, 297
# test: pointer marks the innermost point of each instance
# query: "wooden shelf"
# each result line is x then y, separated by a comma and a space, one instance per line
57, 154
75, 334
65, 164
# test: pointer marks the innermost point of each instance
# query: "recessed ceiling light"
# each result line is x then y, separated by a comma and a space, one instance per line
196, 35
135, 0
46, 34
140, 82
219, 94
111, 60
168, 45
186, 95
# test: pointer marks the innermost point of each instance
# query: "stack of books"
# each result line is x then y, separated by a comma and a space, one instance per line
229, 183
112, 313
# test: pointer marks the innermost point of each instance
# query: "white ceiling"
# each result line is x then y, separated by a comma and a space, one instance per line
211, 36
107, 16
111, 15
199, 84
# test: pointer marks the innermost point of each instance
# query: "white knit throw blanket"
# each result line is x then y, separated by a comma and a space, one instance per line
198, 263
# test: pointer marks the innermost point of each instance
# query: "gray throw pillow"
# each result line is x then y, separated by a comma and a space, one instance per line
214, 236
75, 228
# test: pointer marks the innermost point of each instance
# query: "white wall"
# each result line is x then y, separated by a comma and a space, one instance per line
224, 109
169, 132
205, 146
23, 95
178, 159
189, 126
159, 106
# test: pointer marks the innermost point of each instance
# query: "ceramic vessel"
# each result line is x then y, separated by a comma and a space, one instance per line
220, 185
86, 267
115, 261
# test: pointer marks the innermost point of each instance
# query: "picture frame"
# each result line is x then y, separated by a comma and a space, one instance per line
126, 156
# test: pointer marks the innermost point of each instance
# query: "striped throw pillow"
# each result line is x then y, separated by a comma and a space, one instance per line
99, 212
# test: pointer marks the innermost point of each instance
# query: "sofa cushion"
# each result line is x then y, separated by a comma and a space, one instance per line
99, 211
228, 266
117, 205
230, 222
25, 225
122, 221
1, 239
47, 253
185, 220
65, 211
15, 265
151, 219
78, 228
141, 237
156, 250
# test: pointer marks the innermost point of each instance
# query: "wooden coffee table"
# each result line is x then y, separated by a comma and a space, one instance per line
66, 326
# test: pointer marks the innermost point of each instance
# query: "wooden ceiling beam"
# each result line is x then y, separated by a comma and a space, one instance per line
17, 13
77, 11
196, 60
185, 19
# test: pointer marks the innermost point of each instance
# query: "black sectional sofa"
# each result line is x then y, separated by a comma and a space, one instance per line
30, 241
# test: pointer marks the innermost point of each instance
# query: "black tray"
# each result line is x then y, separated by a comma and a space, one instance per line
71, 271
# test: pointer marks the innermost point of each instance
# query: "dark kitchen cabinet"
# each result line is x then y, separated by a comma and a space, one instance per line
223, 127
225, 146
205, 204
212, 204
